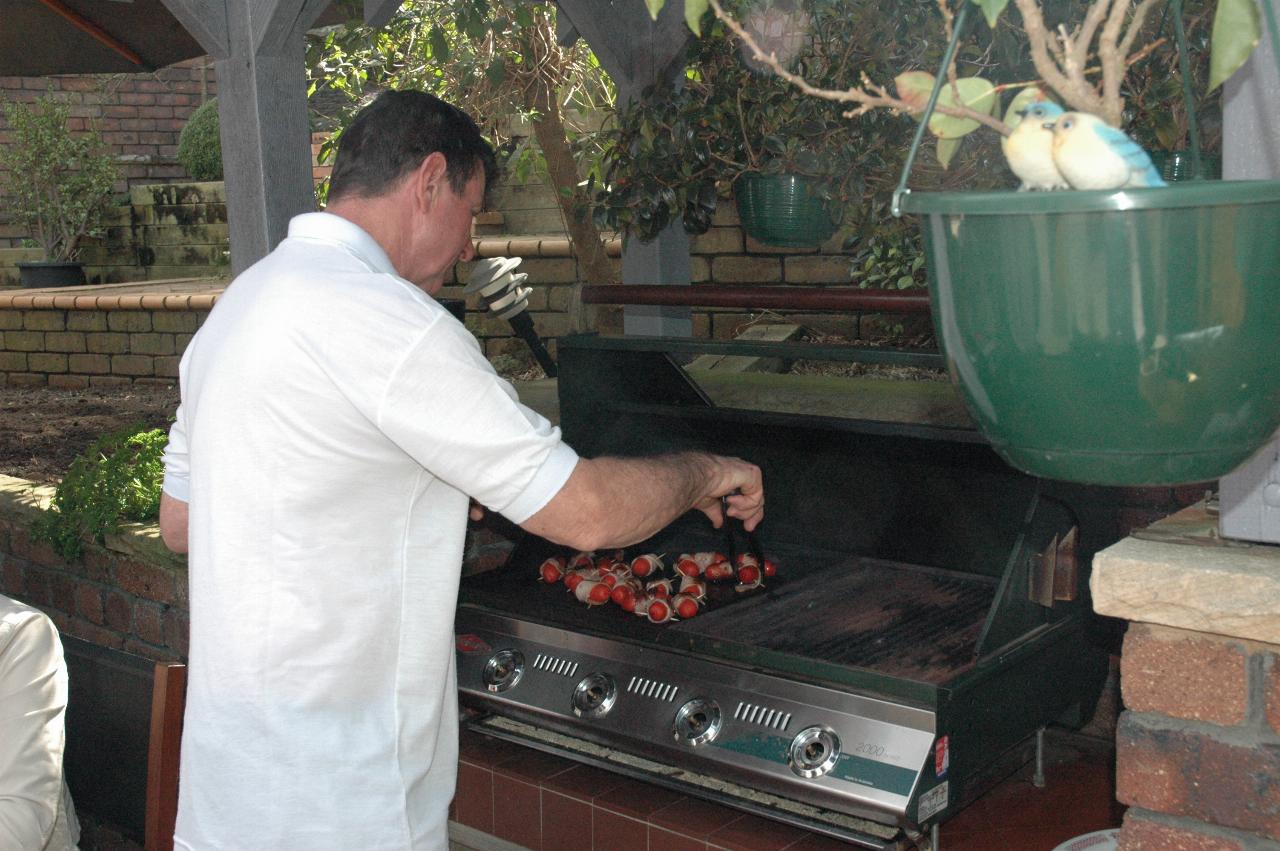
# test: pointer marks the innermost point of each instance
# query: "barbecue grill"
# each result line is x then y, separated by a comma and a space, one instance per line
928, 616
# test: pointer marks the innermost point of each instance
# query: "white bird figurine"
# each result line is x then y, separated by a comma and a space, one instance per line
1029, 148
1091, 154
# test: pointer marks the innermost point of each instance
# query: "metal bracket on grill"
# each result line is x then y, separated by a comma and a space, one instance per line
1054, 573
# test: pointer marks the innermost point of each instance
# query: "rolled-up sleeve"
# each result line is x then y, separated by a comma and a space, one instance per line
177, 463
448, 409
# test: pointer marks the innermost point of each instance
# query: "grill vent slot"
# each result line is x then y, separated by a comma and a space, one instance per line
652, 688
763, 715
555, 665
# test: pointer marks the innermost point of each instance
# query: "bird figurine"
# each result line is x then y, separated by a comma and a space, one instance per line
1029, 148
1091, 154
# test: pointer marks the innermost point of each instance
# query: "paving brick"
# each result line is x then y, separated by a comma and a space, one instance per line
89, 603
151, 344
13, 361
1180, 769
819, 269
746, 270
1143, 833
45, 320
10, 320
134, 321
64, 341
27, 379
542, 270
1271, 690
1184, 674
46, 362
117, 612
148, 623
144, 580
132, 365
89, 364
176, 321
725, 240
24, 341
107, 343
69, 382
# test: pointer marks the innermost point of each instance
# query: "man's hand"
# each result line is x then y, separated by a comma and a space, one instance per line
742, 486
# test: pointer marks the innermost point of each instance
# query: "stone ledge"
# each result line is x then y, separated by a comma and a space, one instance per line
1178, 577
22, 501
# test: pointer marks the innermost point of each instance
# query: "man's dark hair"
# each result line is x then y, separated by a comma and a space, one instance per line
393, 135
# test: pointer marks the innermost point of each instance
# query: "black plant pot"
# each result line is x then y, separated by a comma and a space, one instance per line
51, 274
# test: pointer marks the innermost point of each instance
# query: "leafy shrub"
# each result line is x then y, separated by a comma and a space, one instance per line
199, 145
116, 480
58, 183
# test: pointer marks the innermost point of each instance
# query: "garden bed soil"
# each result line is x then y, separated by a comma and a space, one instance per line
43, 430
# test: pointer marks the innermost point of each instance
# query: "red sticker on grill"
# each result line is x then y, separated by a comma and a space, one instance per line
472, 644
941, 757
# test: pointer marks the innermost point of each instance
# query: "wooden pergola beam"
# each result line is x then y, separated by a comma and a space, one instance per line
78, 21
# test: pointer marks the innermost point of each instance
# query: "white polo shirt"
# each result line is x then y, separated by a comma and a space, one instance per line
334, 421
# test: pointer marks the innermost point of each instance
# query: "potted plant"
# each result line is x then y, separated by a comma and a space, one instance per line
1109, 336
729, 126
58, 184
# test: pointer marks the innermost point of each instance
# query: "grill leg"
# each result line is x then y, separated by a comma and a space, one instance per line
934, 833
1037, 780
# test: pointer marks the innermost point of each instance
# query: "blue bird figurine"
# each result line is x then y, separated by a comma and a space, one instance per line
1029, 148
1091, 154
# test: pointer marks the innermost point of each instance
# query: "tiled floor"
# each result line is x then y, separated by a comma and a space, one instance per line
532, 800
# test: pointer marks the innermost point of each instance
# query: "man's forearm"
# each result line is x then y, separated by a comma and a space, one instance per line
173, 523
615, 502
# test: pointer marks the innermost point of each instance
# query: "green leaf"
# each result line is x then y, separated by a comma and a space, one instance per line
693, 12
654, 6
438, 44
1236, 30
946, 150
991, 10
976, 93
914, 87
497, 71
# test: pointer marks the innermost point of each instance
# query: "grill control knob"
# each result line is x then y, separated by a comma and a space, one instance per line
697, 722
814, 751
594, 696
503, 670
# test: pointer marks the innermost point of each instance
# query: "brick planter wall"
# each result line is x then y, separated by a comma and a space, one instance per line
1198, 750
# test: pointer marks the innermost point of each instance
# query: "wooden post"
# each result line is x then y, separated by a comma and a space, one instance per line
638, 51
262, 107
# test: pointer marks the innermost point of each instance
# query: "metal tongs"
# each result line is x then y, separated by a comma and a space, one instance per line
730, 538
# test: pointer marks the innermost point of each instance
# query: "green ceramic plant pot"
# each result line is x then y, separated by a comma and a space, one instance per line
783, 210
1119, 337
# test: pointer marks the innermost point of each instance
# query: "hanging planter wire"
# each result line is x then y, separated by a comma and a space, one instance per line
1121, 337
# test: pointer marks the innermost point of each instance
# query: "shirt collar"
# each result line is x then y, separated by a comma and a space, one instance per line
326, 227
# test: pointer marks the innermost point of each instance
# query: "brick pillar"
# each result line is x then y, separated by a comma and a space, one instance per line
1198, 747
1198, 750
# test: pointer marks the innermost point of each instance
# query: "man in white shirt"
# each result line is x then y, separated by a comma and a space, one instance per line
36, 813
335, 420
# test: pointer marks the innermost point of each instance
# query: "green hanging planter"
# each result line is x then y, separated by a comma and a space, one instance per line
1112, 337
783, 210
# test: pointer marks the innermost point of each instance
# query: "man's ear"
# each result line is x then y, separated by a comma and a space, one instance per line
430, 179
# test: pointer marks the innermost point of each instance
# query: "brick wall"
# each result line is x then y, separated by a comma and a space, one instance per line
77, 349
1198, 749
140, 116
